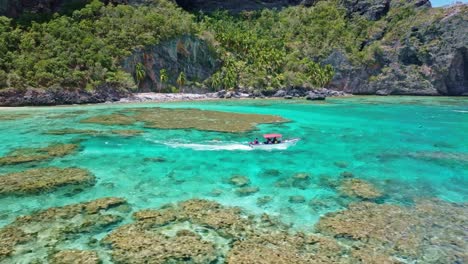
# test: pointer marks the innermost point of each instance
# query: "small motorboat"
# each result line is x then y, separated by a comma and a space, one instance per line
274, 142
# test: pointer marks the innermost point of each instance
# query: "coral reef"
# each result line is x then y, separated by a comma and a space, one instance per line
432, 231
246, 191
359, 188
35, 181
297, 199
24, 155
112, 119
91, 132
13, 116
264, 200
135, 245
186, 119
201, 231
44, 232
239, 180
75, 256
282, 247
298, 180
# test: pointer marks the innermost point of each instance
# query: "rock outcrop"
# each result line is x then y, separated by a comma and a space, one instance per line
14, 8
430, 58
187, 54
31, 96
237, 6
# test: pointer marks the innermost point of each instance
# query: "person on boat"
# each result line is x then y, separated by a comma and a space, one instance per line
256, 141
274, 141
268, 141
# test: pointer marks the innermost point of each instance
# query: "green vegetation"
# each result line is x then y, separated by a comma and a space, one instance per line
265, 50
84, 49
274, 49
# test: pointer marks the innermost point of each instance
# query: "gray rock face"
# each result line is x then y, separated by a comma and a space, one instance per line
237, 6
104, 93
187, 54
371, 9
430, 59
14, 8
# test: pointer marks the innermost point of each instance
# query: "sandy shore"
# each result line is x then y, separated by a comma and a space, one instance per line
170, 97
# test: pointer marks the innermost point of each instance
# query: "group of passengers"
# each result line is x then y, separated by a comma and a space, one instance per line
268, 141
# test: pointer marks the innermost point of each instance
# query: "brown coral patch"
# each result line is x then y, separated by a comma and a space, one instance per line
91, 132
112, 119
24, 155
9, 238
35, 181
284, 248
359, 188
162, 118
131, 244
13, 116
75, 256
430, 232
239, 180
45, 231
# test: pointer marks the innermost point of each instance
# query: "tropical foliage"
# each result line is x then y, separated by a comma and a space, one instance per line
274, 49
265, 50
84, 49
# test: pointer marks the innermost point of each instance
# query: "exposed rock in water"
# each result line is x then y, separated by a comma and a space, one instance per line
35, 181
187, 54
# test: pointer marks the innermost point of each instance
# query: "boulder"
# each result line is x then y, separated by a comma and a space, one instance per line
315, 97
280, 93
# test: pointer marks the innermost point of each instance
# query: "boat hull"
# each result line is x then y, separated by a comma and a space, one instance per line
283, 145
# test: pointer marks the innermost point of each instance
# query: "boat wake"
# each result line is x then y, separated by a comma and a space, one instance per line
210, 146
221, 146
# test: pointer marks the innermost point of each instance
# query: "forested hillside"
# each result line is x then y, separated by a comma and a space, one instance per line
384, 47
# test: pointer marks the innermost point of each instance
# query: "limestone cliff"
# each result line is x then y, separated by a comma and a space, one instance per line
430, 58
187, 54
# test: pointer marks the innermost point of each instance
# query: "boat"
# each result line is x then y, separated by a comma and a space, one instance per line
283, 144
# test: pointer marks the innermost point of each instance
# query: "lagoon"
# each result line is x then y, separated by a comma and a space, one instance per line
408, 149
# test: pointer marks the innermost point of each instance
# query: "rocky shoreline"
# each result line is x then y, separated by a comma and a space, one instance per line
111, 94
319, 94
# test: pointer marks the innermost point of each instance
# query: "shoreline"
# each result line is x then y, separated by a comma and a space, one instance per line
139, 98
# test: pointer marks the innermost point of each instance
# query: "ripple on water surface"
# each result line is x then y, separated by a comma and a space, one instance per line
378, 150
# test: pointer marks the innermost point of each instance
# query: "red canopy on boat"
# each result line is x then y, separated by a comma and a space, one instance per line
272, 136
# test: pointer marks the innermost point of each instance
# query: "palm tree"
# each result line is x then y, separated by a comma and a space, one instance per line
140, 73
181, 80
163, 77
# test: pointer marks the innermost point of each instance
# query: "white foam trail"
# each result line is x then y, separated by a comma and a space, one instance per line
215, 145
460, 111
210, 147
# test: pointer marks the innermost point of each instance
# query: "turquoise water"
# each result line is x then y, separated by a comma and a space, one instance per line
409, 147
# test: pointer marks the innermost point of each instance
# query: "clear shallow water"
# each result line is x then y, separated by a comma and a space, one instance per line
410, 147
